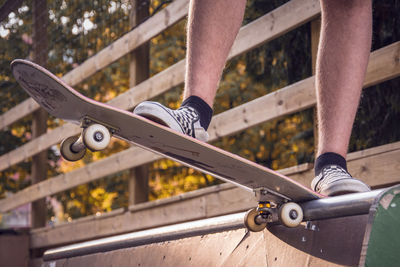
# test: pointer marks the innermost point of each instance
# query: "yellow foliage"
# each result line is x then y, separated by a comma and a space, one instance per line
241, 67
108, 201
19, 131
175, 179
67, 166
103, 198
295, 148
95, 193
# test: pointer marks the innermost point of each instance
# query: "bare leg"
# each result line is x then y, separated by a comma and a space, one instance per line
342, 60
212, 29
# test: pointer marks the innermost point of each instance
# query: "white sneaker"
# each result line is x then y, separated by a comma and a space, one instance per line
334, 180
184, 120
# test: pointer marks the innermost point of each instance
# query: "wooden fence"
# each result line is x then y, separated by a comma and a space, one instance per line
382, 162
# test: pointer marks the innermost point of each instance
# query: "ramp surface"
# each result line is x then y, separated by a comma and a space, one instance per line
332, 242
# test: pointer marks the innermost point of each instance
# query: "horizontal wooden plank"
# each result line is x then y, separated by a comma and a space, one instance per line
384, 64
41, 143
18, 112
376, 166
150, 28
152, 87
249, 36
284, 101
274, 24
290, 99
120, 161
158, 216
374, 151
130, 41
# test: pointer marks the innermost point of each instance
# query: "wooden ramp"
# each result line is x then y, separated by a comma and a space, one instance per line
223, 241
333, 242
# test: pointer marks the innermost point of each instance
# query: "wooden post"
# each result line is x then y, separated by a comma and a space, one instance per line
139, 70
315, 33
139, 59
39, 122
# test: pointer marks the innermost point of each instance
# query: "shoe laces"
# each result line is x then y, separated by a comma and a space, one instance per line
187, 117
329, 175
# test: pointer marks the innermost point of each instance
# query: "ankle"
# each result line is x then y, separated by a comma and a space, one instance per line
327, 159
203, 109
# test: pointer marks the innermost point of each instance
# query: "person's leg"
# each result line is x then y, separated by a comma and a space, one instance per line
343, 53
212, 29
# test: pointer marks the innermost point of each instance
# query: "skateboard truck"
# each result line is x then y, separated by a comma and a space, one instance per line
272, 207
95, 136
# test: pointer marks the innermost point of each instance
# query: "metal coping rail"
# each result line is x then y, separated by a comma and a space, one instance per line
331, 207
339, 206
155, 235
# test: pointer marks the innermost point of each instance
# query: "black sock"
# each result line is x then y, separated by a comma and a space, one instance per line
329, 158
204, 110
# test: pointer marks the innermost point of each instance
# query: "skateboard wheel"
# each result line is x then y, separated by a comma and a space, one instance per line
291, 214
96, 137
250, 221
66, 149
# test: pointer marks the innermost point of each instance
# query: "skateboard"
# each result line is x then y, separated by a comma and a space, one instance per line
278, 196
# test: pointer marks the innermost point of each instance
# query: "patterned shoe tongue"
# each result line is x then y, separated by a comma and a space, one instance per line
203, 109
187, 116
328, 175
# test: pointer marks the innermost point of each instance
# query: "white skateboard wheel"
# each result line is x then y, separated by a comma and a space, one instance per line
67, 152
291, 214
250, 221
96, 137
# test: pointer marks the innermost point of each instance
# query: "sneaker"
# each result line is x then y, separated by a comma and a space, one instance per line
334, 180
185, 120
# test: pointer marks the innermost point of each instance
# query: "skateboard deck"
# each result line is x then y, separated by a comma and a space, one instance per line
63, 102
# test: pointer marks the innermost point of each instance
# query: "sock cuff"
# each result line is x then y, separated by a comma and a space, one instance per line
329, 158
204, 110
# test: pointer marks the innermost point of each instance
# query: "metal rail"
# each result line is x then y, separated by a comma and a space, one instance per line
161, 234
332, 207
339, 206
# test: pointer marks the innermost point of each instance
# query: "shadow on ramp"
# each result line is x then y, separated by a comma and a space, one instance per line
335, 240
